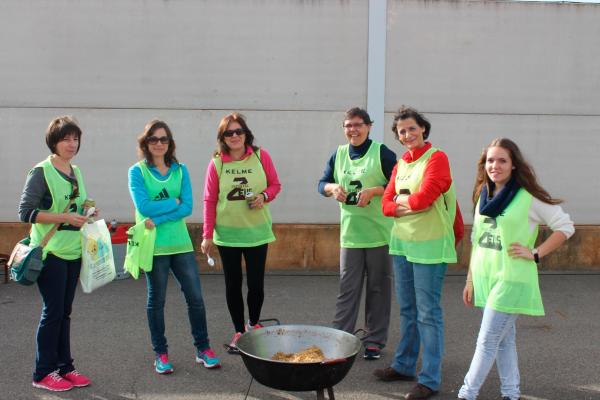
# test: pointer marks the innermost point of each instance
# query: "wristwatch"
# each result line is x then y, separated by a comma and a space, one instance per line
536, 255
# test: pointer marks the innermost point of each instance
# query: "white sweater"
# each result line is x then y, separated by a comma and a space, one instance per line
541, 213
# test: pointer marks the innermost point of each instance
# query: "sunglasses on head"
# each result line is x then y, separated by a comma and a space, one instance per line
155, 140
230, 133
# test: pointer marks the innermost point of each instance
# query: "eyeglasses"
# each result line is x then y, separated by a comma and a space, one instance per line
238, 132
156, 139
355, 125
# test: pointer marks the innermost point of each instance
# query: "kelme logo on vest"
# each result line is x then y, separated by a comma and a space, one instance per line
163, 195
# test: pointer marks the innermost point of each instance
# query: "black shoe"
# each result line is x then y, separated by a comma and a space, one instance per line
420, 392
389, 374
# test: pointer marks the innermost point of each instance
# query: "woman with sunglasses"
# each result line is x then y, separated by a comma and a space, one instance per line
427, 227
241, 181
162, 194
503, 278
53, 185
355, 176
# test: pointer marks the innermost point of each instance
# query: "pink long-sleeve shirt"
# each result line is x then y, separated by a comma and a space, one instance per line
211, 187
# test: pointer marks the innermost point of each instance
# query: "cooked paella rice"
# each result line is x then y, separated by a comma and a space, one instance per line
311, 354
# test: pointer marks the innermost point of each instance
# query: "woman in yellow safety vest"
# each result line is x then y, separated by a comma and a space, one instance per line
503, 280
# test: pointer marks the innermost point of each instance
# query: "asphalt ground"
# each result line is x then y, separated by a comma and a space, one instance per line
559, 354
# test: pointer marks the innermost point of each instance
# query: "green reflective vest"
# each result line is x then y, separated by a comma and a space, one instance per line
427, 237
172, 237
66, 241
361, 227
501, 282
236, 224
140, 249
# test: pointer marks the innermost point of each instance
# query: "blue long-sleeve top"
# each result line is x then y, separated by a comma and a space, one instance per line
388, 161
163, 210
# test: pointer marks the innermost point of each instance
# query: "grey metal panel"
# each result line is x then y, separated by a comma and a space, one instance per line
494, 57
306, 55
563, 151
300, 143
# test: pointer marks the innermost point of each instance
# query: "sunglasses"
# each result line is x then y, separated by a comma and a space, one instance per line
155, 140
238, 132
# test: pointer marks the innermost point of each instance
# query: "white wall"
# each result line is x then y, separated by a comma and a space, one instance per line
479, 70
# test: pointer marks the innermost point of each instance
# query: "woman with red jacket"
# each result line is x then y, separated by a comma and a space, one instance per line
427, 227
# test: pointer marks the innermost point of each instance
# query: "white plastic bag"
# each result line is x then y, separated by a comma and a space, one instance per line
97, 263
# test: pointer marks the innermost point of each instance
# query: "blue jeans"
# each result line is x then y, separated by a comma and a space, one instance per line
419, 292
57, 283
185, 270
496, 342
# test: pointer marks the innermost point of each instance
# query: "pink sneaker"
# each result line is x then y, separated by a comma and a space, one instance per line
77, 379
250, 327
53, 382
234, 339
232, 347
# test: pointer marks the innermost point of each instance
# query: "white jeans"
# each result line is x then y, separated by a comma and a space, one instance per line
496, 342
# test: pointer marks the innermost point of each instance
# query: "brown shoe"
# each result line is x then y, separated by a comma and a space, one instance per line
420, 392
389, 374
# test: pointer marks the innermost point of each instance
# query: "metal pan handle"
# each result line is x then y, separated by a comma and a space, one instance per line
362, 332
261, 321
333, 361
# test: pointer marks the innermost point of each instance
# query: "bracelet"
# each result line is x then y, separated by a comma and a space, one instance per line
536, 255
265, 195
396, 197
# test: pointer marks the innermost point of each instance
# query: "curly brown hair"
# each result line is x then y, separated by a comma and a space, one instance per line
523, 173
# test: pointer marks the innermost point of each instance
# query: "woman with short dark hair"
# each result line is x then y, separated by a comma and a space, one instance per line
355, 176
427, 228
53, 185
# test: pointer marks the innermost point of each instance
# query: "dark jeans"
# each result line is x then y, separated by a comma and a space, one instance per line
57, 283
255, 258
185, 270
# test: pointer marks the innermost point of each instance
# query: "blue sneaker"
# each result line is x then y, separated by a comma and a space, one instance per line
162, 364
208, 359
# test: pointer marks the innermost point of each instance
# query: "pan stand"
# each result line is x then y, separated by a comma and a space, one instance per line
321, 394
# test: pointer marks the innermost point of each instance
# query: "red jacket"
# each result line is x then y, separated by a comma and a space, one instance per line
436, 180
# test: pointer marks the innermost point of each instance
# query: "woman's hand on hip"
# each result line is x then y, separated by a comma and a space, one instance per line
206, 246
516, 250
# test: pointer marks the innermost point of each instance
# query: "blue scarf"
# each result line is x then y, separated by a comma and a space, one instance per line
494, 206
